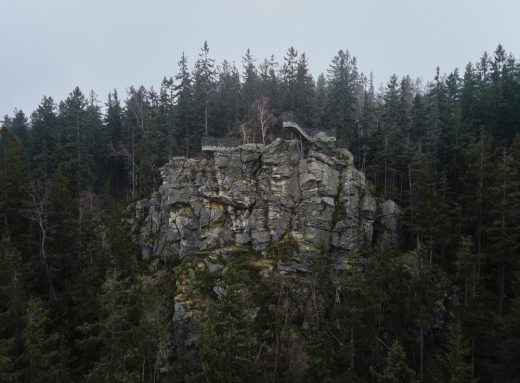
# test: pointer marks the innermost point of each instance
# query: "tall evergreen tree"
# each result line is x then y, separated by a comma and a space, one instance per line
288, 78
19, 126
342, 78
184, 111
42, 362
118, 150
396, 369
203, 90
13, 178
117, 359
457, 355
12, 310
250, 84
44, 137
228, 98
224, 345
304, 91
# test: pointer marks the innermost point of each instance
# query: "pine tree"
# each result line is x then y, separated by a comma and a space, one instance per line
457, 355
165, 118
118, 149
19, 126
342, 78
93, 144
396, 369
228, 98
152, 334
269, 82
85, 279
353, 324
184, 110
12, 309
118, 359
13, 178
389, 138
250, 84
304, 91
41, 346
203, 91
320, 101
288, 78
366, 126
76, 161
143, 154
44, 137
224, 345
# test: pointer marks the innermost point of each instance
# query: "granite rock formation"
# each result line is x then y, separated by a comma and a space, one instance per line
257, 196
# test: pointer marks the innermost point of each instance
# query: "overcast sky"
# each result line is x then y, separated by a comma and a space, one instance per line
50, 46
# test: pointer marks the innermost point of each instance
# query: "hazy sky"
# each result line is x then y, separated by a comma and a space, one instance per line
50, 46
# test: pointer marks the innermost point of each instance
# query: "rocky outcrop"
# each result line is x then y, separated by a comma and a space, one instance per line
259, 196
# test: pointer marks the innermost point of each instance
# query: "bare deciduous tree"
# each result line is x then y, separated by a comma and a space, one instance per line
37, 210
262, 115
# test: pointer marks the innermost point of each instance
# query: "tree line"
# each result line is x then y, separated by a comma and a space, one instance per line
78, 304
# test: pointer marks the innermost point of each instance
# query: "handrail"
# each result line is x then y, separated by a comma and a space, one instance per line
289, 121
297, 127
211, 144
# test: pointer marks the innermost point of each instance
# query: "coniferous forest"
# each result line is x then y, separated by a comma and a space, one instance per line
78, 303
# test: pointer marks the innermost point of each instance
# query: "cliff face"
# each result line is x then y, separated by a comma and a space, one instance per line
260, 196
273, 213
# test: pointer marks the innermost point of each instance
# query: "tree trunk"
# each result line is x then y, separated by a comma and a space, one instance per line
78, 154
501, 267
352, 349
206, 116
421, 369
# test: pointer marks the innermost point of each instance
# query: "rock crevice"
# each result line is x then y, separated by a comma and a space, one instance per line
259, 195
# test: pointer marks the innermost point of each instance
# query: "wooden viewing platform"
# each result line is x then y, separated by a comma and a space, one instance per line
289, 122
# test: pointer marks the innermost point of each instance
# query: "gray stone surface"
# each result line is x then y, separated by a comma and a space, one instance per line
257, 196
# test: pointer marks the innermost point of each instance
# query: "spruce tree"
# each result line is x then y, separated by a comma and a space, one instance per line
304, 91
13, 178
184, 110
457, 355
203, 91
117, 358
118, 147
396, 369
288, 78
250, 84
12, 311
228, 99
342, 78
224, 350
41, 350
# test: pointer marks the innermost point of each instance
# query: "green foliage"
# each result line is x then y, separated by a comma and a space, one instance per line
152, 334
448, 153
117, 359
42, 353
342, 83
457, 355
12, 310
225, 348
396, 367
13, 179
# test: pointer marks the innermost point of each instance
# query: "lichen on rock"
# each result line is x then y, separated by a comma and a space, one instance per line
255, 195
